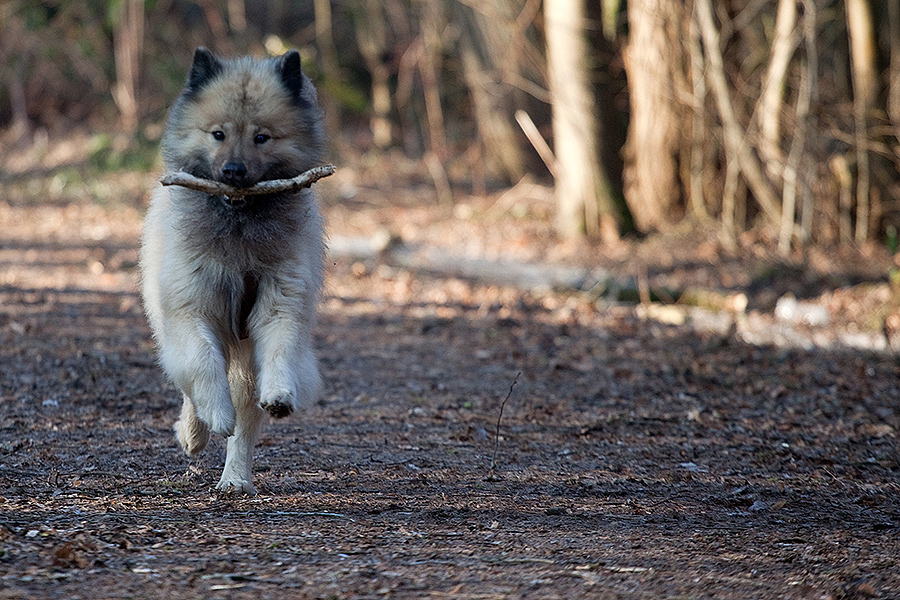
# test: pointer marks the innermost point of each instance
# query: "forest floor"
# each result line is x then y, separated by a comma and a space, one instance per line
476, 439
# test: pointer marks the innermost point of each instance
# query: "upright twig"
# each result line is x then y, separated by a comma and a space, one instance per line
500, 416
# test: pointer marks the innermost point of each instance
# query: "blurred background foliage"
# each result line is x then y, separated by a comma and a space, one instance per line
645, 114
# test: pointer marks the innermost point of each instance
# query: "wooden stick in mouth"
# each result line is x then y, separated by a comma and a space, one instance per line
273, 186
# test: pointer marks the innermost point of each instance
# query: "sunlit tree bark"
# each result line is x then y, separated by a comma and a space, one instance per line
483, 46
772, 96
865, 86
371, 35
128, 35
584, 192
651, 169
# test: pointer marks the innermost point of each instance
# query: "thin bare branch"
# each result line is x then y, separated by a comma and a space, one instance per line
537, 140
735, 136
792, 166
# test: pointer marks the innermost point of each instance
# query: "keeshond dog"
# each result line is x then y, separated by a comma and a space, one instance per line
230, 287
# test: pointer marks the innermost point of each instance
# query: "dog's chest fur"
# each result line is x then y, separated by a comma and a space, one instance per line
249, 236
237, 249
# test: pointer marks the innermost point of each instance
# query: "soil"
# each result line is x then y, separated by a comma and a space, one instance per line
475, 440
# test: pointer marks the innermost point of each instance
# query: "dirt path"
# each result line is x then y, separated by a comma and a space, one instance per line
635, 459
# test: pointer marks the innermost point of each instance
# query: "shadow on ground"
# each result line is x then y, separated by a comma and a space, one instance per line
634, 460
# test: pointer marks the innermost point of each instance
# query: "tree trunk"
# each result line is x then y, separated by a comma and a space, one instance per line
772, 96
483, 55
698, 125
237, 16
371, 37
128, 36
324, 38
429, 67
810, 166
894, 77
21, 126
865, 86
651, 169
217, 26
584, 192
792, 165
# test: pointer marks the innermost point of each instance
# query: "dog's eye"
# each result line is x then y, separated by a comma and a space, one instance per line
219, 136
261, 138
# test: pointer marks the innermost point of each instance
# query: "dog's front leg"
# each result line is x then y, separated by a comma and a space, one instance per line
193, 358
281, 330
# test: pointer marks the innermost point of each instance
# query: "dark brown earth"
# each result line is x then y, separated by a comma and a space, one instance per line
635, 459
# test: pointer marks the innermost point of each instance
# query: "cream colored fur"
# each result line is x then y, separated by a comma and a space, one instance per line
232, 368
227, 382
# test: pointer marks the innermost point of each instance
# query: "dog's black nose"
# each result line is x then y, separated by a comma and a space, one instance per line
234, 173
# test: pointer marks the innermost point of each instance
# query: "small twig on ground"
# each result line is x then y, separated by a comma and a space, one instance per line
303, 180
500, 416
671, 498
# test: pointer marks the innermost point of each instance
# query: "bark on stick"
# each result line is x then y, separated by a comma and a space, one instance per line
274, 186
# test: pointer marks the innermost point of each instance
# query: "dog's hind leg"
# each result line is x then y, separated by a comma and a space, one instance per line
190, 431
237, 477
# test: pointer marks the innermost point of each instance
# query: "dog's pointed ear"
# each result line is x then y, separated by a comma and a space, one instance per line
204, 68
291, 73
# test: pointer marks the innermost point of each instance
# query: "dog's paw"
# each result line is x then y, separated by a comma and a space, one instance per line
278, 405
193, 435
235, 486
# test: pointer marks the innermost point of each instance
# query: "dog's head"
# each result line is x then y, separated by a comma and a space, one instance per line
243, 121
